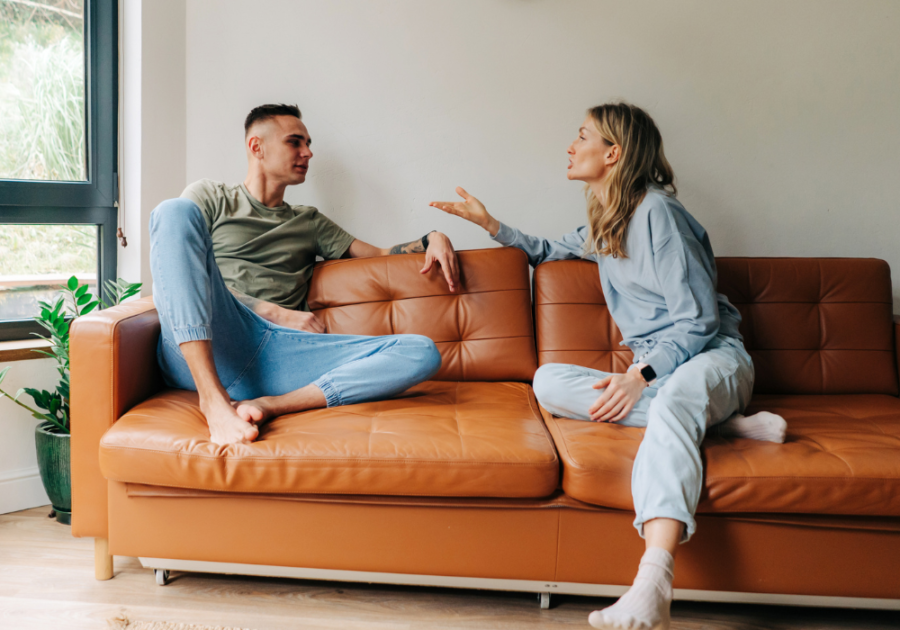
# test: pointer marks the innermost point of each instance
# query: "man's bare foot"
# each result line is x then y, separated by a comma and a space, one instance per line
226, 426
255, 411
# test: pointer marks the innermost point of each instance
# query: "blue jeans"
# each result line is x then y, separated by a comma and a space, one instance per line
253, 356
677, 410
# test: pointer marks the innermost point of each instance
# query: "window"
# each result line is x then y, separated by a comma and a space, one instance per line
58, 179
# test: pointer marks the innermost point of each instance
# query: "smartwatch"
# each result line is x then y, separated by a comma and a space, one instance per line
649, 374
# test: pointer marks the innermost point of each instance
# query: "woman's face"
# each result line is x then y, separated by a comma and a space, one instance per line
590, 157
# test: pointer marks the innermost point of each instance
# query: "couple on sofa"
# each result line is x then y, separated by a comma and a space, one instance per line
231, 265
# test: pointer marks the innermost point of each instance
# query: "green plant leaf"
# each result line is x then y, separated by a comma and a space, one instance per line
72, 284
35, 396
90, 307
3, 372
84, 299
81, 290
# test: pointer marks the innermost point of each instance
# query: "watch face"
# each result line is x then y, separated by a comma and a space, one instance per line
649, 374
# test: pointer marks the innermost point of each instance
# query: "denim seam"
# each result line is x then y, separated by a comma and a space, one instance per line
265, 340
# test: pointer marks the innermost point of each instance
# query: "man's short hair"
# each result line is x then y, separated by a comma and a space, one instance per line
265, 112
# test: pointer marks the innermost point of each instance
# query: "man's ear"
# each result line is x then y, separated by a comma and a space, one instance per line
255, 147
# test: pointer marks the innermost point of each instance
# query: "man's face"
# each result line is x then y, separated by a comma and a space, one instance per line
281, 144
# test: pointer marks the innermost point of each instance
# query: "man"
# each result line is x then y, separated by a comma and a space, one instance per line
231, 266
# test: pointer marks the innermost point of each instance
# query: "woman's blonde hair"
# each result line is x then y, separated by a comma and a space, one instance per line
641, 163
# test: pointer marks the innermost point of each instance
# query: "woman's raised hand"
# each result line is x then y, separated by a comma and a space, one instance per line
470, 209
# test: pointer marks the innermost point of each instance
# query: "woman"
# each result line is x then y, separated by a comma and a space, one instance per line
691, 370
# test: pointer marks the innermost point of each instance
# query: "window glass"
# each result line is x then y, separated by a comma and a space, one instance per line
42, 87
38, 259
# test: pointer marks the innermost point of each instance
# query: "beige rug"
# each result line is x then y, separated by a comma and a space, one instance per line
124, 623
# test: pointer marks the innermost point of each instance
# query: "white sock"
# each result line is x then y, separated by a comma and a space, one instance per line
646, 604
764, 426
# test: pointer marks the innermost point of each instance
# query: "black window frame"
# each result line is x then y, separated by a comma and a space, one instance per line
92, 202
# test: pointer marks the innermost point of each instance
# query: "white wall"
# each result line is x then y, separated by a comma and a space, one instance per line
152, 122
780, 119
20, 481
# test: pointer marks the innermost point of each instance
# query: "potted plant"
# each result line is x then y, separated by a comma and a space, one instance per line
51, 437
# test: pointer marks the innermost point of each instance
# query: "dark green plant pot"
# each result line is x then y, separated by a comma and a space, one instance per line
53, 462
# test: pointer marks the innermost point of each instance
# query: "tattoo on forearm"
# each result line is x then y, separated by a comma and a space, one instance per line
250, 302
413, 247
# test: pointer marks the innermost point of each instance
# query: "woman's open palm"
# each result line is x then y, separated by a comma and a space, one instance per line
470, 209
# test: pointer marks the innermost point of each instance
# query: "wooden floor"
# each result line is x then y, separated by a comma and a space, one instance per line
46, 581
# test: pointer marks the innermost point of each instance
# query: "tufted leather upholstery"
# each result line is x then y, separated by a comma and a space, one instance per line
842, 456
812, 325
484, 332
572, 321
815, 325
437, 439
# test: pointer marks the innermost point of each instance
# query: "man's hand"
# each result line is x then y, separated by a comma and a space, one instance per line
298, 320
622, 391
440, 250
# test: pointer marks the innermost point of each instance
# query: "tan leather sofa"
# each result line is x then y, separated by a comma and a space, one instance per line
465, 481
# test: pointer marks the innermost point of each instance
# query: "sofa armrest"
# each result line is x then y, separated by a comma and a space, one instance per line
113, 367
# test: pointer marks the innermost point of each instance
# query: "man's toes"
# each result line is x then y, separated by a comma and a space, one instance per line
250, 413
251, 432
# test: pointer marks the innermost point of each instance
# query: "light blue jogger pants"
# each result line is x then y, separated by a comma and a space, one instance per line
677, 410
255, 357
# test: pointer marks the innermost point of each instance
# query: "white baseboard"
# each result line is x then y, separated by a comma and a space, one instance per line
21, 489
571, 588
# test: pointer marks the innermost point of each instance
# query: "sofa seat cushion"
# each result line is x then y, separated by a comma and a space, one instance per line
438, 439
841, 457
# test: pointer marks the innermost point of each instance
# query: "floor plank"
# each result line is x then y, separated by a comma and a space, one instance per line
46, 581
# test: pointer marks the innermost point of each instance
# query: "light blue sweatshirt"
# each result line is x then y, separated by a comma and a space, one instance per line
663, 295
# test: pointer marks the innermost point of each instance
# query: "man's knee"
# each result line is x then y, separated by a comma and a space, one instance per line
427, 355
176, 215
548, 383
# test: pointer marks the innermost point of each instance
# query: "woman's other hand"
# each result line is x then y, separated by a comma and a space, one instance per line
622, 391
470, 209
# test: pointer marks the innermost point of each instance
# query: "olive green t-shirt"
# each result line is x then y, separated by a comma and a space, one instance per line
266, 253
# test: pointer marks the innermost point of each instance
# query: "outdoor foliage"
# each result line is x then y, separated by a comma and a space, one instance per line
74, 301
48, 249
42, 115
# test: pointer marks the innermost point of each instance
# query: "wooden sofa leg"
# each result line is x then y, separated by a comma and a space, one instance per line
103, 562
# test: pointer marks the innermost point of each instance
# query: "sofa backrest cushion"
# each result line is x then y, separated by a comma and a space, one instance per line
484, 331
812, 325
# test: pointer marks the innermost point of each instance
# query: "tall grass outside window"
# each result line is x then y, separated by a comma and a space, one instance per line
42, 90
